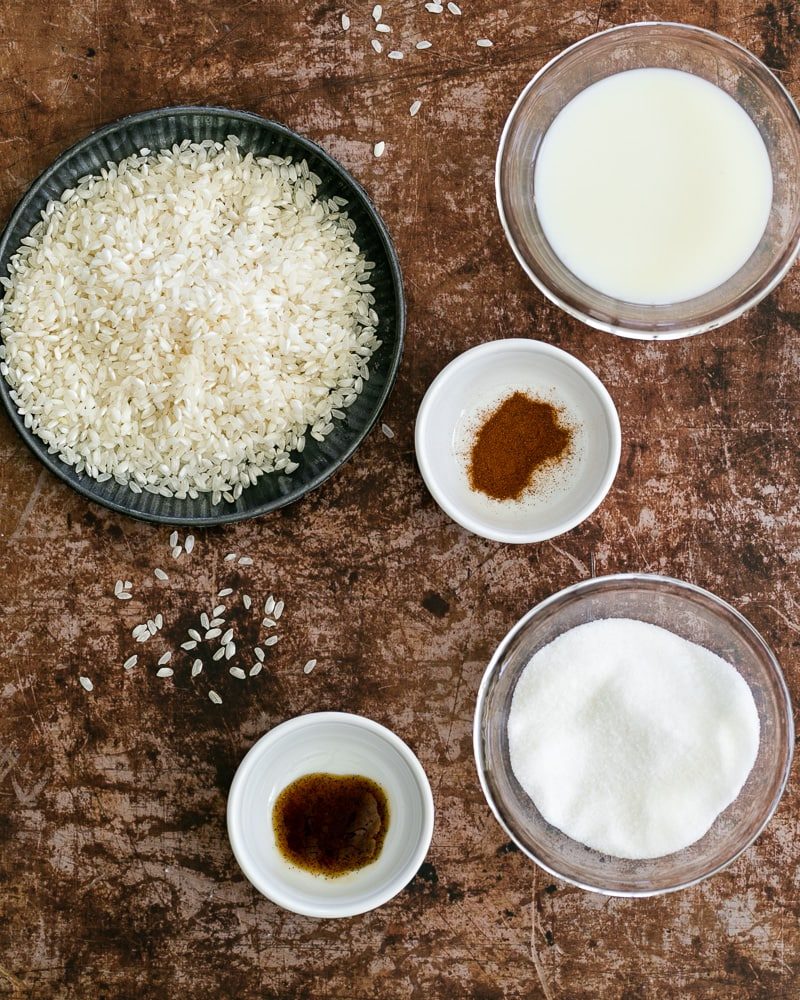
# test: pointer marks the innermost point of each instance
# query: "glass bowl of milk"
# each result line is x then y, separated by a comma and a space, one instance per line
647, 180
677, 745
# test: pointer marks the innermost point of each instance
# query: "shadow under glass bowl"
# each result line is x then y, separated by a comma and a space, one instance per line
635, 46
694, 614
160, 129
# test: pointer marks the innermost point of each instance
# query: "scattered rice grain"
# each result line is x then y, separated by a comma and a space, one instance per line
484, 43
412, 111
395, 54
259, 653
237, 672
256, 668
86, 684
188, 544
376, 45
165, 672
271, 640
215, 697
219, 653
345, 22
225, 591
159, 574
387, 430
309, 666
197, 667
247, 601
131, 662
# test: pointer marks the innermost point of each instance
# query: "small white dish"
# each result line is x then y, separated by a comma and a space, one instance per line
473, 384
334, 743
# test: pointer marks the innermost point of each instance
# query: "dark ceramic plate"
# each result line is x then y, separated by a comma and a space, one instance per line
158, 130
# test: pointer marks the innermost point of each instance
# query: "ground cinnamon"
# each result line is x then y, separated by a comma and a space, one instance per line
516, 439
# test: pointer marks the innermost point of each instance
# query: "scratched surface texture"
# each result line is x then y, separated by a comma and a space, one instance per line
117, 878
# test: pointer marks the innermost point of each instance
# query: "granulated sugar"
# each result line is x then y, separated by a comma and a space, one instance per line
629, 738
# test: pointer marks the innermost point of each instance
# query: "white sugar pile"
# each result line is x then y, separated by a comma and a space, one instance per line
183, 320
631, 739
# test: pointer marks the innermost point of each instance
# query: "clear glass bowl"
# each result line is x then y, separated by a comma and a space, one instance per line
694, 614
635, 46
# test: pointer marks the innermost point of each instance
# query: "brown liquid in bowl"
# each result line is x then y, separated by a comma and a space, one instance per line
331, 824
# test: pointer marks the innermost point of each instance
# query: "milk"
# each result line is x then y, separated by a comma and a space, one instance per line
653, 186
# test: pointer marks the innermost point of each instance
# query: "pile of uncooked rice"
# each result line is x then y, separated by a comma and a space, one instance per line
182, 320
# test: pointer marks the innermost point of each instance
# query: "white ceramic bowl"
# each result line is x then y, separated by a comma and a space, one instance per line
479, 379
336, 743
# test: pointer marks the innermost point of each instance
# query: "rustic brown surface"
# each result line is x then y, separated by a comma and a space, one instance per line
117, 877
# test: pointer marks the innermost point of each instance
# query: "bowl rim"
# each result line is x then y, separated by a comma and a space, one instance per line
585, 585
84, 485
628, 333
330, 908
426, 466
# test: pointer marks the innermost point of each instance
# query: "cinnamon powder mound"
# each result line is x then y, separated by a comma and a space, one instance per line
515, 440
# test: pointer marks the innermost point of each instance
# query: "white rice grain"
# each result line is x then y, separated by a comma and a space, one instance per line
86, 684
165, 672
131, 662
159, 574
413, 110
256, 668
237, 672
140, 341
215, 697
345, 22
309, 666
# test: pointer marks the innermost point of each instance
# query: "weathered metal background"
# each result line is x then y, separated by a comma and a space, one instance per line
117, 878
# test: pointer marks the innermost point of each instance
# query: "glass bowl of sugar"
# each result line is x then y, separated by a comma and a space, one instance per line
642, 716
647, 180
